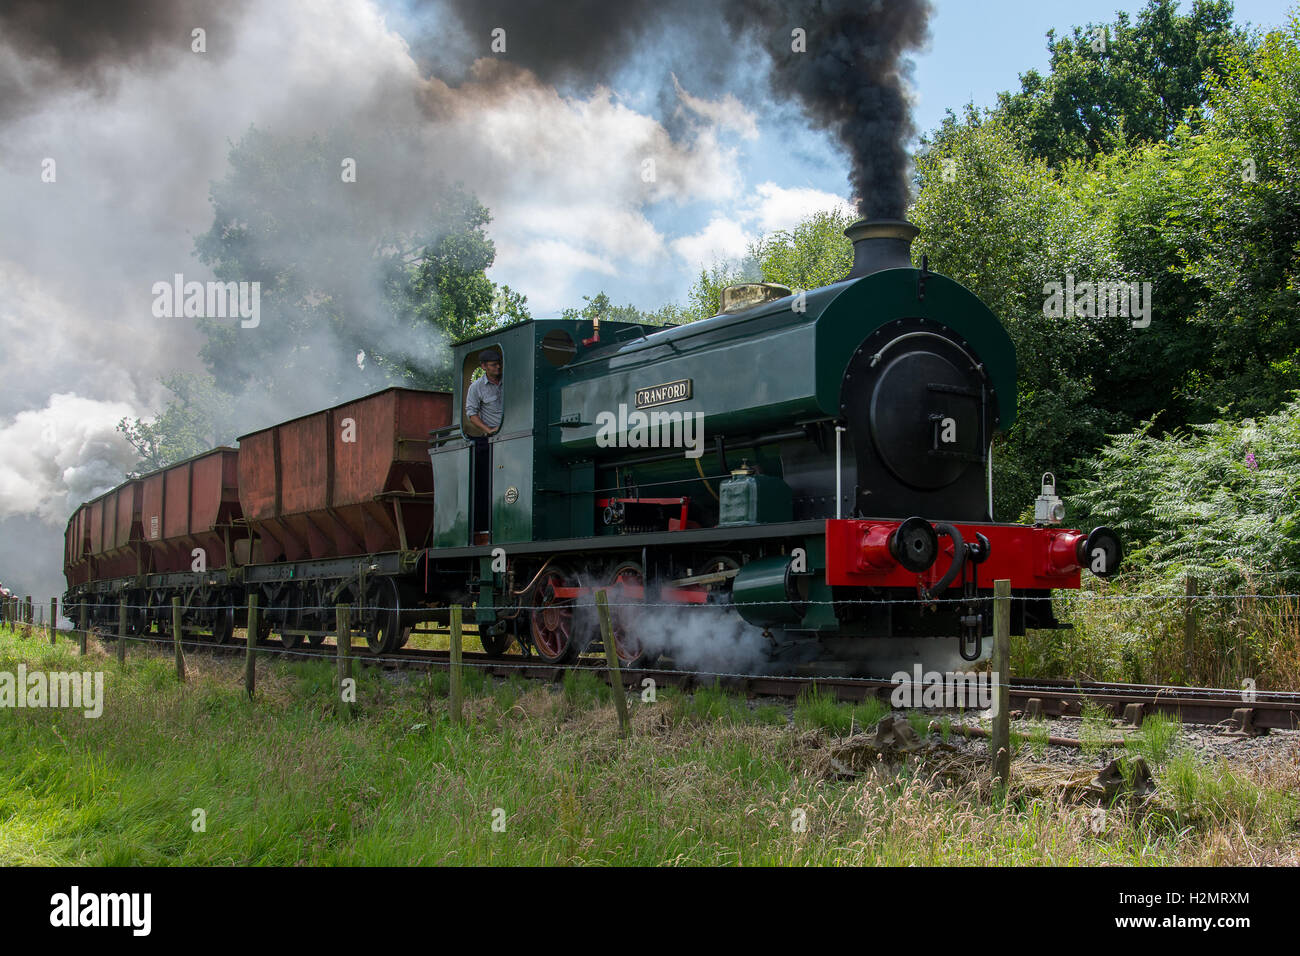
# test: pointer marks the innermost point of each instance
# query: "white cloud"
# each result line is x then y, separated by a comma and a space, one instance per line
771, 207
578, 172
545, 269
767, 209
722, 240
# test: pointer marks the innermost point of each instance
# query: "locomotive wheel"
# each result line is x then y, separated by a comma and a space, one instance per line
497, 643
722, 562
552, 620
385, 633
622, 617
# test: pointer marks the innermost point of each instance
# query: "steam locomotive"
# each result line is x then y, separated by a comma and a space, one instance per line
812, 468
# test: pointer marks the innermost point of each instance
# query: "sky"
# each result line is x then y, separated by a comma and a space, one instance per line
137, 138
977, 49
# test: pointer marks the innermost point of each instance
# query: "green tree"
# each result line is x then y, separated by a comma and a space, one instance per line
1122, 82
601, 306
1235, 231
360, 285
1005, 226
812, 254
199, 417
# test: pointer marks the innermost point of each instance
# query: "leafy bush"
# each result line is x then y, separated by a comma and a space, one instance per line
1217, 501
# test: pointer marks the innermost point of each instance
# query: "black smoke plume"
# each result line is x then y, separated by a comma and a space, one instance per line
848, 80
53, 45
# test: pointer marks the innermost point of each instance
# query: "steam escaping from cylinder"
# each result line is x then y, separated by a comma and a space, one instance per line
705, 638
841, 61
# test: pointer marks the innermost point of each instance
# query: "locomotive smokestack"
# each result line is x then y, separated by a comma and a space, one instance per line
880, 244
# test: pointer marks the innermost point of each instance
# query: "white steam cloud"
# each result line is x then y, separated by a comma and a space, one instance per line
104, 184
56, 457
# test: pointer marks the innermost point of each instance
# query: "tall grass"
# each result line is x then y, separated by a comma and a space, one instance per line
285, 779
1116, 638
814, 708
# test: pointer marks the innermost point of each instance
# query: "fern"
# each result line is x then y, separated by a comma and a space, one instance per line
1219, 501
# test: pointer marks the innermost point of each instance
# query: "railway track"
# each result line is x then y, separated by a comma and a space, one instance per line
1238, 712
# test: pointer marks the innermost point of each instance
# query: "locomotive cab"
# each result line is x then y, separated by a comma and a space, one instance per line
522, 497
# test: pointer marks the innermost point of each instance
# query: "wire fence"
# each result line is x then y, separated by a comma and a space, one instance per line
319, 621
588, 598
516, 663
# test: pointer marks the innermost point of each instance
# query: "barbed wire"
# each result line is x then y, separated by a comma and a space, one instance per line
588, 600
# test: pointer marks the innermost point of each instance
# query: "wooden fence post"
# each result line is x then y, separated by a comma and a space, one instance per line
611, 657
343, 641
27, 616
176, 639
250, 660
455, 696
84, 631
121, 630
1001, 739
1189, 630
54, 616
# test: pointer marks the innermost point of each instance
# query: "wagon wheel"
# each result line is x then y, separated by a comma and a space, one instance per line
292, 618
137, 615
313, 619
223, 619
385, 633
552, 622
628, 575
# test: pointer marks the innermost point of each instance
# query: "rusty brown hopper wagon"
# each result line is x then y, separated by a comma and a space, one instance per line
111, 526
76, 548
192, 504
353, 479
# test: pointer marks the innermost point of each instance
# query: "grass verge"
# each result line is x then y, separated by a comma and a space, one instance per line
197, 774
